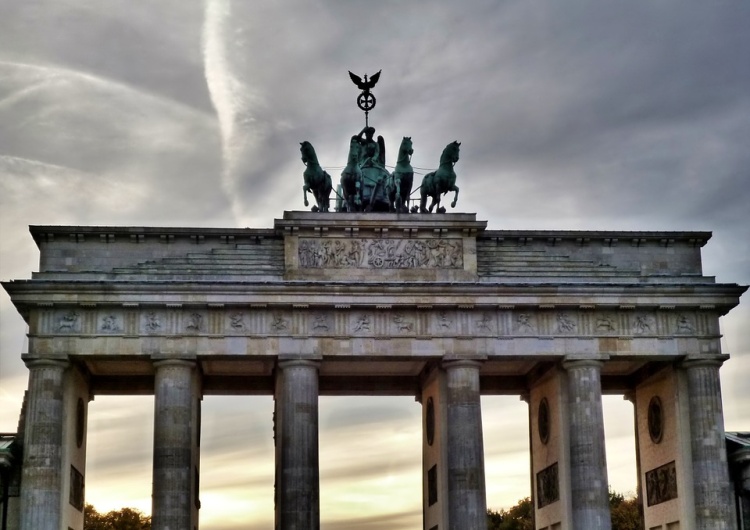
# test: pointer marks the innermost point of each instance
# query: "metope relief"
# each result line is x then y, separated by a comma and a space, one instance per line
402, 323
237, 322
69, 322
279, 323
380, 253
525, 323
484, 323
109, 324
444, 321
320, 323
194, 323
605, 324
362, 323
152, 322
565, 323
644, 324
685, 324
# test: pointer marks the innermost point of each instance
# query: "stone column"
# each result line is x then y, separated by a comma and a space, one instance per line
588, 461
467, 500
174, 498
41, 483
713, 494
296, 432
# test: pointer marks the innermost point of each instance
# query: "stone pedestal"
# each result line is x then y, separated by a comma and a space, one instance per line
467, 502
711, 486
175, 501
41, 483
588, 461
296, 435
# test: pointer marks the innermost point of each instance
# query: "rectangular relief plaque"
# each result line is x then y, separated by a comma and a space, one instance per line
380, 253
661, 484
547, 486
76, 498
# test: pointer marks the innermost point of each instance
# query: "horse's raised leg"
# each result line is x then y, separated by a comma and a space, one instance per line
305, 189
455, 197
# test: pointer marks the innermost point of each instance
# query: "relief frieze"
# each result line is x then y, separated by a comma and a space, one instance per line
381, 253
521, 322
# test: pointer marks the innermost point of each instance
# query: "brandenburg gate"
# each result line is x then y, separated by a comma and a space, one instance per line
435, 306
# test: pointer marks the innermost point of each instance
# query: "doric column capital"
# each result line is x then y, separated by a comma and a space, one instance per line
298, 363
186, 363
697, 361
572, 363
44, 362
462, 363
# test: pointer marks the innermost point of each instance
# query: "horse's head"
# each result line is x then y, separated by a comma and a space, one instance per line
308, 152
450, 153
355, 148
406, 147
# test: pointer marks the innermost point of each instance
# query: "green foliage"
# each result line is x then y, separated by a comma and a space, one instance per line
517, 517
625, 514
124, 519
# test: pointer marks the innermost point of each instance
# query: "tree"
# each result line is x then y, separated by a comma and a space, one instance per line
123, 519
625, 514
517, 517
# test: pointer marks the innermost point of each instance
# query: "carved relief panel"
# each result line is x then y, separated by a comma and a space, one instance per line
314, 253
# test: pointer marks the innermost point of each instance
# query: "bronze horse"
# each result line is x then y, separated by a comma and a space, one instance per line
401, 180
441, 181
317, 181
351, 177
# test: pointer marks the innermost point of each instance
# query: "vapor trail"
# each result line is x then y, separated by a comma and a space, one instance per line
229, 96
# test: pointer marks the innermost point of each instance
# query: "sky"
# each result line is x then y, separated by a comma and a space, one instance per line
590, 115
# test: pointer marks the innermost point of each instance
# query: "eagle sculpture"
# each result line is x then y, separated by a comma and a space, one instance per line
365, 85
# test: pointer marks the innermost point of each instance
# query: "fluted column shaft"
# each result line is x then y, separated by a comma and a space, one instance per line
467, 500
176, 393
298, 476
41, 481
588, 460
713, 492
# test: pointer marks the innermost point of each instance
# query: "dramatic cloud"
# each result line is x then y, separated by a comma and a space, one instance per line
579, 115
